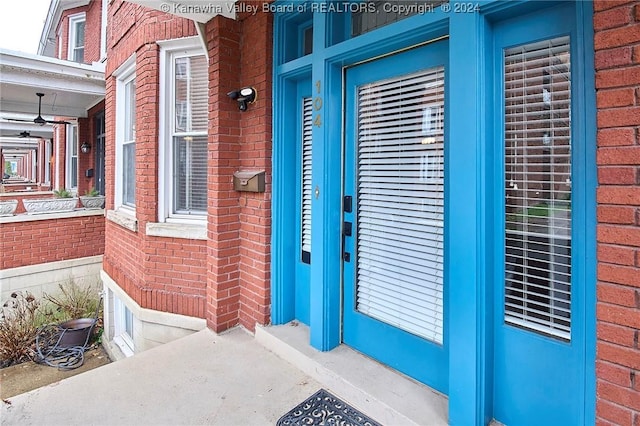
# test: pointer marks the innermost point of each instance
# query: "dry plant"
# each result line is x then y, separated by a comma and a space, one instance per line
19, 322
73, 301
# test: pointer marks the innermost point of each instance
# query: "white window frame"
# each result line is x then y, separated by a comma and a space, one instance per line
169, 51
59, 35
74, 20
122, 336
71, 157
47, 161
103, 31
124, 74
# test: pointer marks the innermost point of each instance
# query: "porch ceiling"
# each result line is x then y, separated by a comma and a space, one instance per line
70, 90
196, 10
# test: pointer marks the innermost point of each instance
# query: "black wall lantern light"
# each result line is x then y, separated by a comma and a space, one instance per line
244, 96
85, 147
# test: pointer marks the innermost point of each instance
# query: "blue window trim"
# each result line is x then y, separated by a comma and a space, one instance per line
469, 320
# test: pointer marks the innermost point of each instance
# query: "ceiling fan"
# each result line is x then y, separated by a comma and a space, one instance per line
39, 120
24, 134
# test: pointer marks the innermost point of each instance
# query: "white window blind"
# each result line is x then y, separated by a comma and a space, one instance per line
401, 202
307, 113
190, 135
538, 187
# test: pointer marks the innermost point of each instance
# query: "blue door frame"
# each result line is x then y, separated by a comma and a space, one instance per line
471, 239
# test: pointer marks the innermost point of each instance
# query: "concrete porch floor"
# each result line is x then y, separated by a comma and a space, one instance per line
229, 379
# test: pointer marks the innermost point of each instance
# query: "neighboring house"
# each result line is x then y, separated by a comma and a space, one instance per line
41, 251
75, 31
467, 212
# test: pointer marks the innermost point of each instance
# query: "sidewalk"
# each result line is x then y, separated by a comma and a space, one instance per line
228, 379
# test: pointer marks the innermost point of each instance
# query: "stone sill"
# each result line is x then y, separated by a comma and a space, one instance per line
15, 194
178, 230
25, 217
125, 220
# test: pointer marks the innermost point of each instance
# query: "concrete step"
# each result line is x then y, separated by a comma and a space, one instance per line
378, 391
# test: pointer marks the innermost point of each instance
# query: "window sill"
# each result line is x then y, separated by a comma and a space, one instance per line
178, 230
123, 219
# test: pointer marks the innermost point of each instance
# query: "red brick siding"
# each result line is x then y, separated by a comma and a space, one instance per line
238, 289
223, 252
50, 240
255, 153
617, 56
165, 274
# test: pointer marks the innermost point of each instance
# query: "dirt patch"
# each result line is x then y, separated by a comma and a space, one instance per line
27, 376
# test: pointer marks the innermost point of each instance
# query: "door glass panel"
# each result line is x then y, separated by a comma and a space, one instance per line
537, 82
401, 202
374, 14
307, 113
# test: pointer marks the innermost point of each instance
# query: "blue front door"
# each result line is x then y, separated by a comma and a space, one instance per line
394, 212
541, 225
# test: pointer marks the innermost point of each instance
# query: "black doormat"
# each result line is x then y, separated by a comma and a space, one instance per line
322, 408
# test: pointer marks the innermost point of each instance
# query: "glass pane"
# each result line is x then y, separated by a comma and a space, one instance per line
307, 41
400, 239
538, 187
191, 94
79, 35
74, 173
377, 14
74, 139
190, 174
129, 174
128, 322
130, 111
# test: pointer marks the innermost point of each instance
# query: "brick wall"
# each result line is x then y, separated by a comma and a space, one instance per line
165, 274
238, 289
617, 45
50, 240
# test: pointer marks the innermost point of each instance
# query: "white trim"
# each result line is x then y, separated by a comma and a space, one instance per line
202, 35
126, 67
72, 35
103, 31
59, 36
169, 50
